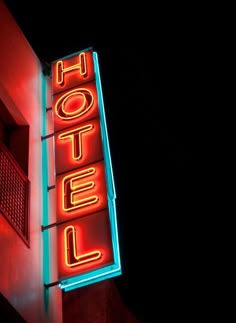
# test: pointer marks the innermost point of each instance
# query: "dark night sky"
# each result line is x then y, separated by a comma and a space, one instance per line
153, 133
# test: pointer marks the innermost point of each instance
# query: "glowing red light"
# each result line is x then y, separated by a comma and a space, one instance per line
80, 169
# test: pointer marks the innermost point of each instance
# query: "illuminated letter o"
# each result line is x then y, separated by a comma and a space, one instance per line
60, 106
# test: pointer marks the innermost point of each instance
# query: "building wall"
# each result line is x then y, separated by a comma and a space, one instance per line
26, 92
22, 272
97, 303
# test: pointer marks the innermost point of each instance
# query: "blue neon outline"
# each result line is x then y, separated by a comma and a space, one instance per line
113, 270
46, 251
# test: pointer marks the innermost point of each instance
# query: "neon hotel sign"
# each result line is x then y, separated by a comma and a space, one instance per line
88, 249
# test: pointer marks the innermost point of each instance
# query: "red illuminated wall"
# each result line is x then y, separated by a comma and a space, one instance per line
107, 305
26, 93
22, 91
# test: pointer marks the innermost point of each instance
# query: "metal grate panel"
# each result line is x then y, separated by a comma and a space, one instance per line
14, 193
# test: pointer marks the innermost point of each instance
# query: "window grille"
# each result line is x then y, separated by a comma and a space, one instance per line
14, 194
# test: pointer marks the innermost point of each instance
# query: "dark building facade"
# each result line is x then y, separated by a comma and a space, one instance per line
26, 253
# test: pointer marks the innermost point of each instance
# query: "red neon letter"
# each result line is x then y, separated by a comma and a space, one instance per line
71, 190
81, 66
76, 137
80, 96
71, 256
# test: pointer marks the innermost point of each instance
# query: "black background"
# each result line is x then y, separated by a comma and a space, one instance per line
152, 111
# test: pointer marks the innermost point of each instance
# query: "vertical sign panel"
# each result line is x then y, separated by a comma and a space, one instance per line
88, 248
